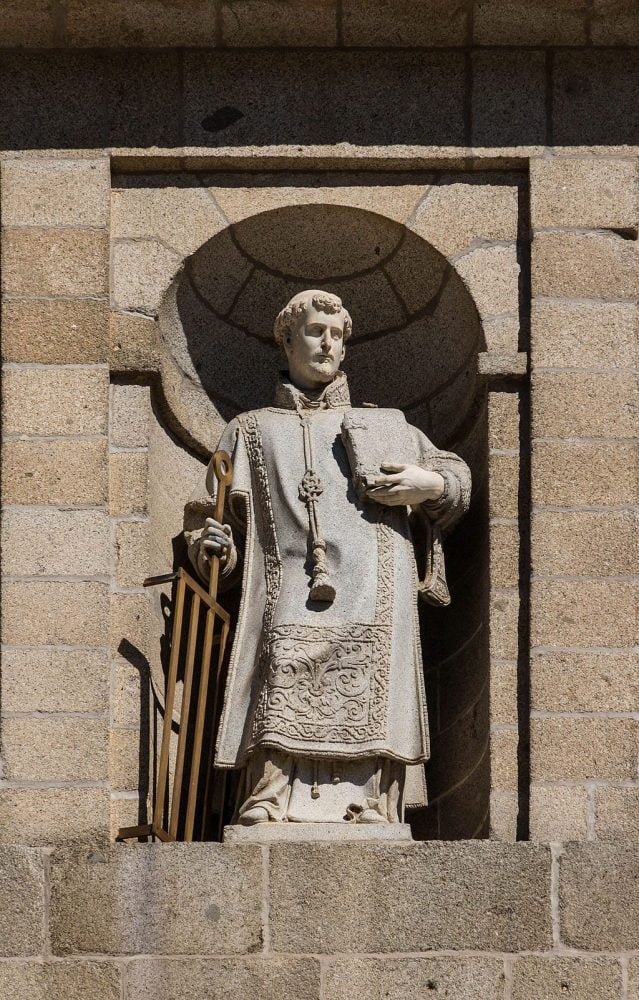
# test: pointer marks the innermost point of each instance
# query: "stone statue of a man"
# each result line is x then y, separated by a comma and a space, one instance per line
324, 709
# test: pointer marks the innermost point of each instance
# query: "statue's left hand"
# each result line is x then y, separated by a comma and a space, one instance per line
405, 484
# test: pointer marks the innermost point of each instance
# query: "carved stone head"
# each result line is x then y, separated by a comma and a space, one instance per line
312, 328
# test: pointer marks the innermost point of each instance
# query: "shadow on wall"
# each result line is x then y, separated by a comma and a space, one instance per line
416, 335
101, 99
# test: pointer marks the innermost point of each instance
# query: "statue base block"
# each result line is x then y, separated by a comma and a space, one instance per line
269, 833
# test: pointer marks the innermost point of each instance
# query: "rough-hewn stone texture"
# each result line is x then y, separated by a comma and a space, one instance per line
615, 22
503, 420
55, 749
41, 192
132, 552
46, 816
504, 554
71, 980
128, 472
54, 401
59, 262
130, 621
585, 542
554, 978
54, 331
597, 113
271, 978
387, 23
130, 415
504, 618
584, 682
177, 899
21, 901
53, 612
588, 193
558, 812
585, 334
54, 680
493, 275
509, 887
599, 896
263, 23
504, 485
503, 693
55, 472
584, 613
585, 265
132, 343
508, 98
477, 213
468, 978
581, 748
147, 23
515, 22
504, 745
587, 406
571, 473
617, 813
126, 693
51, 542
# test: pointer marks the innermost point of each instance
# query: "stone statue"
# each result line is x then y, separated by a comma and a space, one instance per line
324, 709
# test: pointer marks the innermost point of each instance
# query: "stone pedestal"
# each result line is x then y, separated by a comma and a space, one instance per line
269, 833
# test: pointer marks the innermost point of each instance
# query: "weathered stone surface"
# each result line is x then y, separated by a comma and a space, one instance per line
179, 899
55, 401
574, 474
508, 98
492, 275
54, 680
55, 749
595, 115
588, 406
514, 22
453, 216
128, 472
584, 613
55, 472
32, 26
615, 22
142, 271
509, 886
126, 694
504, 485
130, 621
132, 343
181, 217
552, 978
503, 420
558, 812
71, 980
266, 23
504, 744
588, 193
386, 24
42, 192
468, 978
504, 620
616, 813
584, 682
130, 415
270, 978
21, 901
58, 331
132, 548
572, 749
55, 612
146, 24
54, 542
633, 979
504, 554
46, 816
125, 759
504, 808
585, 542
503, 693
599, 896
583, 334
585, 265
501, 334
61, 262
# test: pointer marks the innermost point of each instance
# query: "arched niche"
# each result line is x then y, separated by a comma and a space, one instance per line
416, 336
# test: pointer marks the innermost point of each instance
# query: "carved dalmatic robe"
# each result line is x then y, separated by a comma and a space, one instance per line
323, 694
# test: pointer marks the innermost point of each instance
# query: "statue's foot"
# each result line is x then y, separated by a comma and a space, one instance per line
370, 816
258, 814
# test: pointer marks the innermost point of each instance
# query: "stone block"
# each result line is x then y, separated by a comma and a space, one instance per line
501, 334
180, 217
267, 23
508, 98
601, 112
585, 266
572, 749
37, 613
145, 24
132, 344
504, 808
54, 680
589, 406
191, 899
492, 275
584, 682
584, 613
46, 816
633, 979
616, 813
615, 22
504, 485
515, 22
55, 749
55, 472
71, 980
130, 415
585, 334
31, 27
128, 473
463, 978
130, 621
142, 272
50, 542
60, 192
504, 554
504, 747
272, 978
61, 262
132, 552
567, 474
503, 420
21, 901
584, 193
504, 623
503, 694
125, 811
554, 977
454, 216
558, 812
126, 693
387, 24
59, 331
585, 543
126, 759
509, 886
599, 896
55, 401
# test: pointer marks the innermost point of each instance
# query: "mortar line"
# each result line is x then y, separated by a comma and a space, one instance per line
509, 968
556, 850
623, 962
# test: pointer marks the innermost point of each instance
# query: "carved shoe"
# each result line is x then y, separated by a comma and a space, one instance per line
255, 815
370, 816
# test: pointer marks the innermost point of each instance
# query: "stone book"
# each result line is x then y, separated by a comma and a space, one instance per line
371, 438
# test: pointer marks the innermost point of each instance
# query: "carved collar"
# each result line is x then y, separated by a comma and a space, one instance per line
336, 394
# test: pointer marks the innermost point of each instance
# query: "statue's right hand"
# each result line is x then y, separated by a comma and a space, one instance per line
216, 540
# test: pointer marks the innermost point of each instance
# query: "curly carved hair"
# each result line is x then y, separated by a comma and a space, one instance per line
325, 301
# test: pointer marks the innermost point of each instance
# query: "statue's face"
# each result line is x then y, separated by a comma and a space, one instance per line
315, 349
